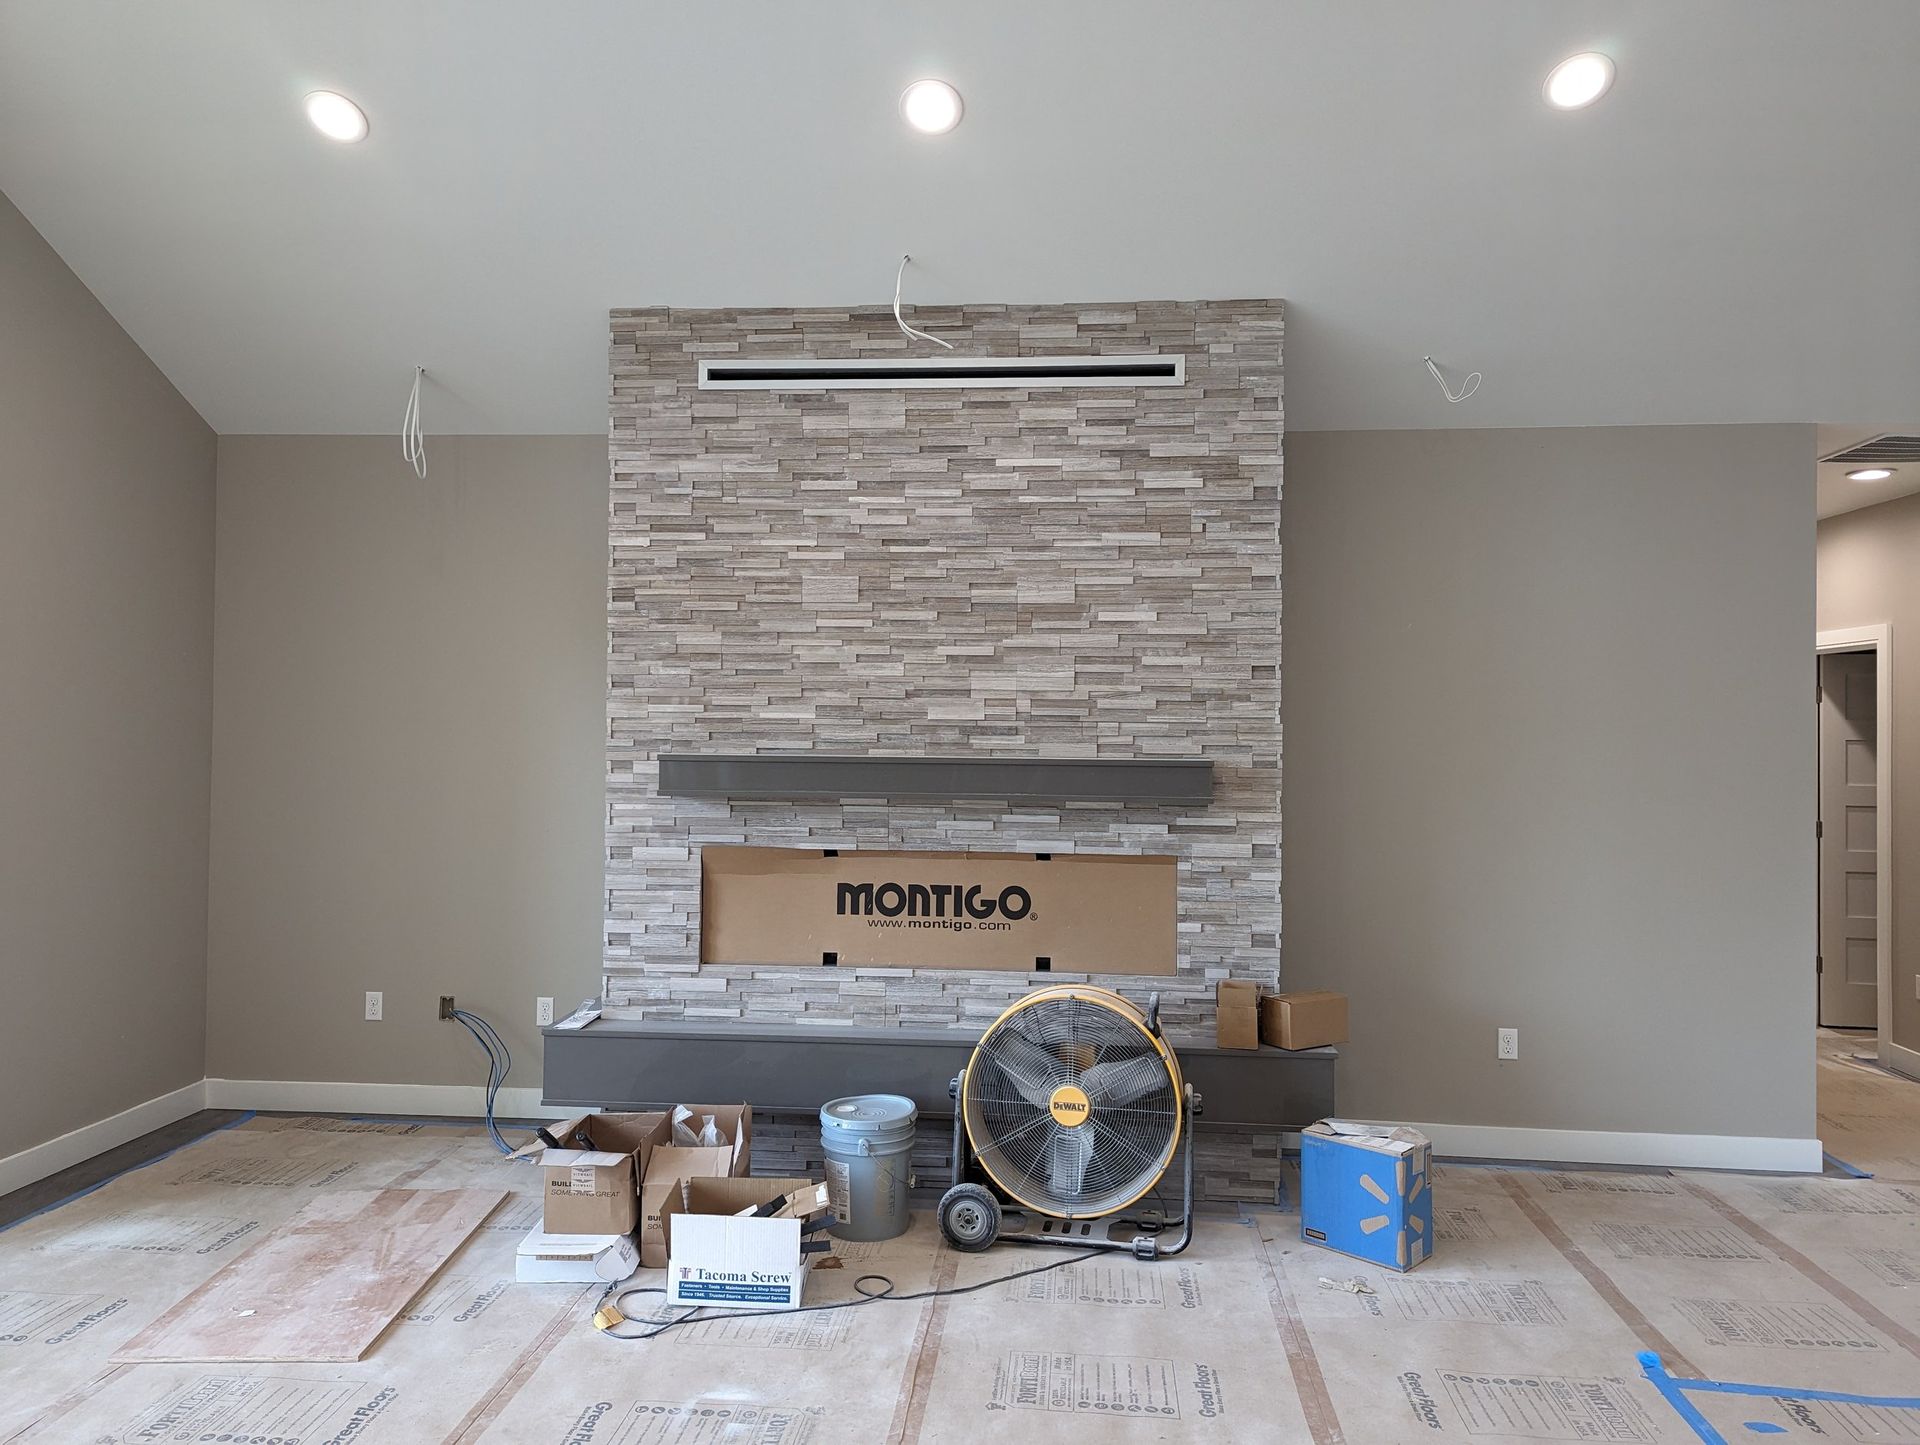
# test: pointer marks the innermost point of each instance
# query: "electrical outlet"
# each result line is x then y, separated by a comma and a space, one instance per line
543, 1011
446, 1005
376, 1007
1509, 1047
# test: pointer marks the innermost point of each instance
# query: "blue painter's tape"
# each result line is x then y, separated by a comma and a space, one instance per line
1675, 1392
1792, 1392
130, 1169
1670, 1391
1844, 1167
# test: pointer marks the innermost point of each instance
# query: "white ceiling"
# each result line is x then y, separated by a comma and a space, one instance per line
1729, 236
1835, 494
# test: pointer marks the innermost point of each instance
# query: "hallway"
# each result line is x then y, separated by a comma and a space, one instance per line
1869, 1118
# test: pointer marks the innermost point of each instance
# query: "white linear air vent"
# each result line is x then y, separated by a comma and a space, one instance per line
781, 373
1880, 451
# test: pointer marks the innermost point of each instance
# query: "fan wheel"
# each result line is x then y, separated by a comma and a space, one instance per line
970, 1217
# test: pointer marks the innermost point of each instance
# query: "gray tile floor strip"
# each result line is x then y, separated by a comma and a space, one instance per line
1643, 1328
84, 1178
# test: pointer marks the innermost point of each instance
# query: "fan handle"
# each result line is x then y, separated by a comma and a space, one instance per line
1153, 1014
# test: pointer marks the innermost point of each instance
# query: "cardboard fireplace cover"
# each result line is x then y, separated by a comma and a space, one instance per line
1024, 912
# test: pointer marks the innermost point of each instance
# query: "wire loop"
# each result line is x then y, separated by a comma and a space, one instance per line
901, 320
413, 441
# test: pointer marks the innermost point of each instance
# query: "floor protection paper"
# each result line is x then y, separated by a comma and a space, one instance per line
1601, 1305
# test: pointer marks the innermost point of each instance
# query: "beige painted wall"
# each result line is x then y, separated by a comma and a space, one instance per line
106, 635
1545, 725
1548, 765
1870, 572
407, 748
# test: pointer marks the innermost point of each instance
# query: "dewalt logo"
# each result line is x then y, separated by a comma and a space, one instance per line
1069, 1106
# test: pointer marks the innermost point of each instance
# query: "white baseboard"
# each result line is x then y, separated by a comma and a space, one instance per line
1471, 1141
1902, 1060
32, 1165
1598, 1146
293, 1096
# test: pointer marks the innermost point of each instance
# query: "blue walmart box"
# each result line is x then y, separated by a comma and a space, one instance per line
1366, 1190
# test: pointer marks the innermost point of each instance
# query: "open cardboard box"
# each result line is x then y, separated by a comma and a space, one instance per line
669, 1165
593, 1188
717, 1257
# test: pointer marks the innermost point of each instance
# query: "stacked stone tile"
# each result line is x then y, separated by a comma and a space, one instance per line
1037, 573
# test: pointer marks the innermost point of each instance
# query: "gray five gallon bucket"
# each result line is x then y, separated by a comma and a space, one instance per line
868, 1139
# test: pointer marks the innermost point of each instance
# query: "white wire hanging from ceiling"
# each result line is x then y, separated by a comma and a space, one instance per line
413, 440
1467, 387
911, 332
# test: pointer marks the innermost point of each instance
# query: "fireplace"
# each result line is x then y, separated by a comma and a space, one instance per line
1007, 576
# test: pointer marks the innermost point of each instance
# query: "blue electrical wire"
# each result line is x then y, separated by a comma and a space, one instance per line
493, 1077
499, 1064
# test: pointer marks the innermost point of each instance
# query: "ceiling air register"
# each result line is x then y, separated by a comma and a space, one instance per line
780, 373
1074, 1108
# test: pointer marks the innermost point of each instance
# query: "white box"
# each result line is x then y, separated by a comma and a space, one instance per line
543, 1258
715, 1257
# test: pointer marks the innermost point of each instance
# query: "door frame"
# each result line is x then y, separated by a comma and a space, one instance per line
1877, 638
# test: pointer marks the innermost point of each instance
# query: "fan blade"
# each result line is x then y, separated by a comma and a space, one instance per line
1069, 1152
1032, 1070
1118, 1082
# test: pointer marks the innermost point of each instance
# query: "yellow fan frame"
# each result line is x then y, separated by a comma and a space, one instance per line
1108, 999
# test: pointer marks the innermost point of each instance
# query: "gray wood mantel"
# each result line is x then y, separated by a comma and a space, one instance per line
784, 1068
1138, 781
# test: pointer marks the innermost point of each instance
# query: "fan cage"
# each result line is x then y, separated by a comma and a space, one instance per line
1098, 1043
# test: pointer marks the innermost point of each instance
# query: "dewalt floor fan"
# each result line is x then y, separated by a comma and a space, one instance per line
1072, 1105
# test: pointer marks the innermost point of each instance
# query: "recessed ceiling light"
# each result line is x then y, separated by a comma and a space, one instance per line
1579, 80
931, 107
336, 117
1870, 474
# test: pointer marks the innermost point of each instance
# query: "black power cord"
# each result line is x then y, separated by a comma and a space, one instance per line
614, 1294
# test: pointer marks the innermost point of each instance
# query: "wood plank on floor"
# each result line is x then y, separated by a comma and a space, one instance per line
323, 1286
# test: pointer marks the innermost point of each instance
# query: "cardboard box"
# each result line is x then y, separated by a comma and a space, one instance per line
670, 1165
543, 1258
1236, 1014
1364, 1190
595, 1190
715, 1257
1018, 912
1303, 1020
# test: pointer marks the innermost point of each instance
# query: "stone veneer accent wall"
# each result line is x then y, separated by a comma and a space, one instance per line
1027, 573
